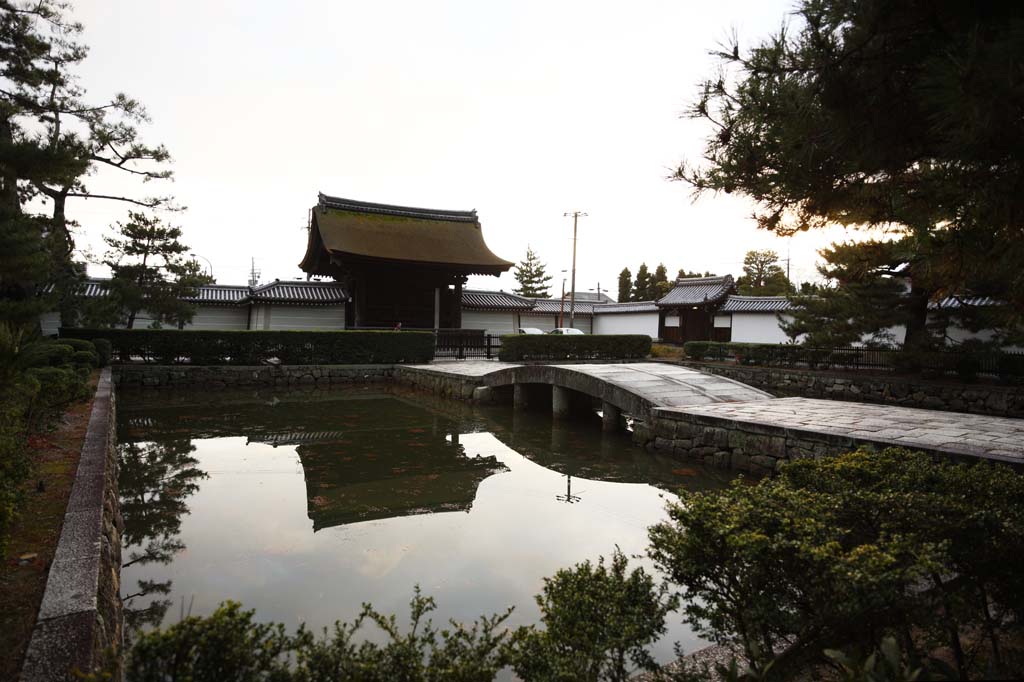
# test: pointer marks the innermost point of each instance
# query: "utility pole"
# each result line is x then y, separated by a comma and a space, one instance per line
572, 292
254, 274
561, 305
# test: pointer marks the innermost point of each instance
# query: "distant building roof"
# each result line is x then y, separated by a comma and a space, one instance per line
476, 299
298, 291
697, 290
626, 307
552, 306
360, 229
317, 293
592, 297
225, 294
963, 301
755, 304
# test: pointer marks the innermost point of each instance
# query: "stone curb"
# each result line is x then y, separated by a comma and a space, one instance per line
73, 626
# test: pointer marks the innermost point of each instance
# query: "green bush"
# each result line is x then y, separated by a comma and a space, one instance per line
85, 358
229, 645
843, 552
79, 344
16, 400
103, 350
598, 622
517, 347
696, 350
58, 386
209, 347
44, 354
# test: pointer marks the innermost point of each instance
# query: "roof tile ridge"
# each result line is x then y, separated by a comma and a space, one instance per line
326, 201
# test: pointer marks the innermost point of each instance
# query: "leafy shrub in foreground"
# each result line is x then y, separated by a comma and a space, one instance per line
839, 553
598, 620
229, 645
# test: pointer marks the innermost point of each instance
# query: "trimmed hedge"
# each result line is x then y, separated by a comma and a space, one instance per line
209, 347
965, 364
515, 347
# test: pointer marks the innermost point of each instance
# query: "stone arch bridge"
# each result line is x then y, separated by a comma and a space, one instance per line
629, 388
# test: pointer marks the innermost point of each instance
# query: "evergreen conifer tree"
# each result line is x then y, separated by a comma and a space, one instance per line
532, 278
625, 285
150, 272
659, 285
898, 116
641, 285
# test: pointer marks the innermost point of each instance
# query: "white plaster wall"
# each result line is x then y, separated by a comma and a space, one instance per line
49, 323
491, 322
627, 323
300, 317
757, 328
545, 323
220, 317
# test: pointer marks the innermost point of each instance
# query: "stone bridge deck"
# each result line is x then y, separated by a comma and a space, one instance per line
635, 388
734, 425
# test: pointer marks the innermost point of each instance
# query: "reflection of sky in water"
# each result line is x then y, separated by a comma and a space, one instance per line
249, 538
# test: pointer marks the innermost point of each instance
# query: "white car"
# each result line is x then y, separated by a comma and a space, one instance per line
566, 330
529, 330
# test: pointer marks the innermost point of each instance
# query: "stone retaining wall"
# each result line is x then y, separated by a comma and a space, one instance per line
80, 621
444, 384
227, 376
758, 449
980, 398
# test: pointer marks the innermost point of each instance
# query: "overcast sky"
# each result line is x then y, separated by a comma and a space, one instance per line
521, 110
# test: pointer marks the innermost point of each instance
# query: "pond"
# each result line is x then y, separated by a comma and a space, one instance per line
303, 505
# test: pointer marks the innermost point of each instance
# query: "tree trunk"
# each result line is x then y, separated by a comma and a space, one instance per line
9, 202
917, 337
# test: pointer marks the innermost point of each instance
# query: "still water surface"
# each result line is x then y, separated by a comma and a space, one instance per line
304, 505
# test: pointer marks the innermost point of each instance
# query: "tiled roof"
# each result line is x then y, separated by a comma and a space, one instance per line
388, 209
552, 306
626, 307
494, 300
957, 302
592, 297
697, 290
349, 229
93, 288
756, 304
325, 293
300, 292
223, 294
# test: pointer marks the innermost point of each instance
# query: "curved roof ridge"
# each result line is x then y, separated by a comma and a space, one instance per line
698, 280
339, 203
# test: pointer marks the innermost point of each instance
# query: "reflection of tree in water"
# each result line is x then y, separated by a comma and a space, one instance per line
155, 480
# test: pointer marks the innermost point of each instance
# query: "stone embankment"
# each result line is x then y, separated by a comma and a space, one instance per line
80, 621
758, 437
229, 376
975, 398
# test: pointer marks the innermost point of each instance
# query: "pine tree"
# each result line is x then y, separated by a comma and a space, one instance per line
51, 138
641, 284
532, 278
625, 285
683, 274
150, 272
865, 295
762, 275
897, 116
